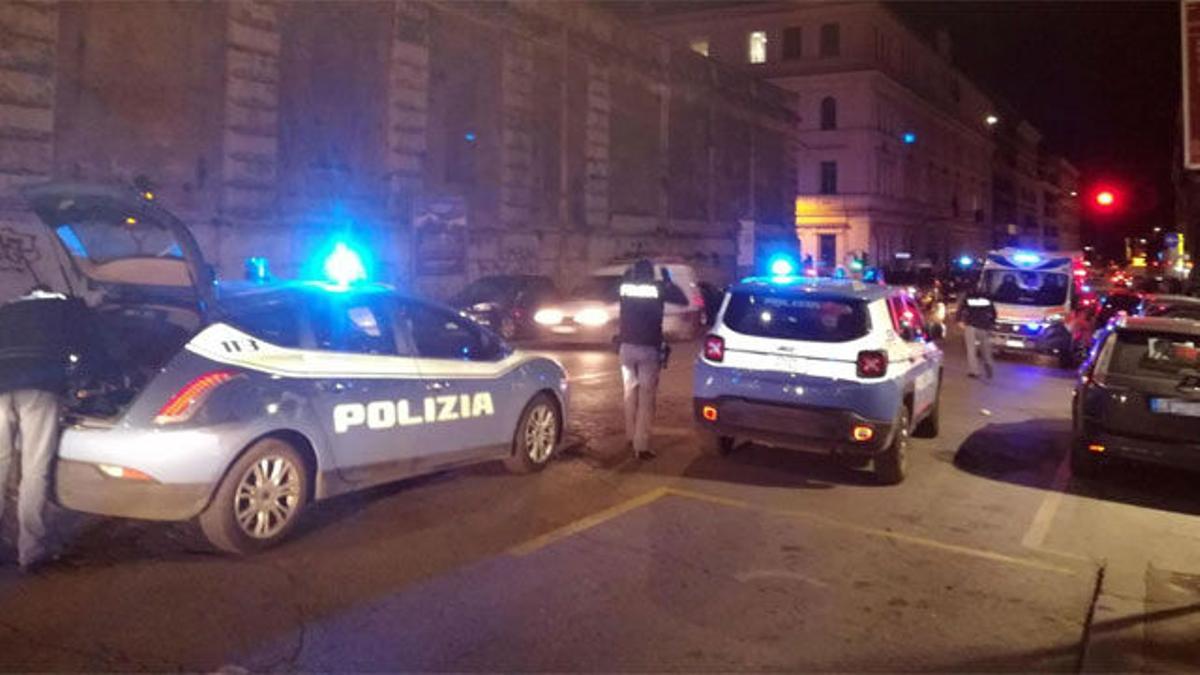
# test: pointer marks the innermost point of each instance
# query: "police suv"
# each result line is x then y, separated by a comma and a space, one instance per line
241, 405
833, 366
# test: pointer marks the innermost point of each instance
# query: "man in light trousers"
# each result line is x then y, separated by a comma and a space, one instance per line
977, 315
41, 333
641, 351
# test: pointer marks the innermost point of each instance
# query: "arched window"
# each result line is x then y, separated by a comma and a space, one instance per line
828, 113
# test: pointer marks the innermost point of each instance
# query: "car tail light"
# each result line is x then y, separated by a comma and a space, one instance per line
709, 412
714, 348
862, 433
188, 400
872, 364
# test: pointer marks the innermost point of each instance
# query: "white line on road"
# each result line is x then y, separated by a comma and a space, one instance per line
592, 377
1035, 536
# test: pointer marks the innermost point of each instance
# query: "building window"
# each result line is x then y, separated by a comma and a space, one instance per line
831, 39
827, 248
792, 43
758, 46
828, 113
700, 46
829, 178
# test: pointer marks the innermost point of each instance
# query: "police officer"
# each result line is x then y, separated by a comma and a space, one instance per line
977, 314
642, 349
41, 335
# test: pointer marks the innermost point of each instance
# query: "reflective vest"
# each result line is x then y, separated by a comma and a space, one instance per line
641, 313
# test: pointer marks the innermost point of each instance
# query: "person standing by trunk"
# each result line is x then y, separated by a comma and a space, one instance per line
42, 334
641, 349
977, 314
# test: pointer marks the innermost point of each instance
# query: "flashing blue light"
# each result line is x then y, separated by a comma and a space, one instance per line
909, 138
1033, 326
470, 136
1026, 258
343, 266
966, 261
782, 267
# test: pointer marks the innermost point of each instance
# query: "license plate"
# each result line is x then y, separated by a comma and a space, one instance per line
1171, 406
1015, 344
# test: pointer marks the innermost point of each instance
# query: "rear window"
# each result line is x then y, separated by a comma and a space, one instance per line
813, 319
1154, 355
276, 322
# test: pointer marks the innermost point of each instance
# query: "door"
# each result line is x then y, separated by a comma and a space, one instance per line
368, 394
828, 249
467, 383
919, 350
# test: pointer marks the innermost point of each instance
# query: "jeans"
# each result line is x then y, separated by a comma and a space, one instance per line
640, 367
979, 340
29, 421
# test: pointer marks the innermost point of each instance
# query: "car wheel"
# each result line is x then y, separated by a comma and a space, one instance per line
536, 436
931, 425
260, 499
1083, 463
719, 445
508, 328
892, 465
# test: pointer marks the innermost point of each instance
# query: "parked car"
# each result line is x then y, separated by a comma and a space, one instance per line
1138, 395
832, 366
1116, 302
590, 313
239, 406
1170, 306
506, 303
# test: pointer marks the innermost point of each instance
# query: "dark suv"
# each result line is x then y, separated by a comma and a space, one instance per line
506, 303
1138, 395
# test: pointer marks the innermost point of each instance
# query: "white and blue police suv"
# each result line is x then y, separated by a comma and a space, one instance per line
240, 405
827, 365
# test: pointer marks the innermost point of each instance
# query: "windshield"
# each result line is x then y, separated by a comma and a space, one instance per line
103, 239
1024, 287
487, 289
808, 318
606, 288
1155, 355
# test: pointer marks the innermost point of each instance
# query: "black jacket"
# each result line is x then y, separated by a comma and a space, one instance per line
977, 311
38, 336
642, 312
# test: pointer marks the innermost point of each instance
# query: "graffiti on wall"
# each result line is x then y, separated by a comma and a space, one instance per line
511, 260
18, 250
441, 234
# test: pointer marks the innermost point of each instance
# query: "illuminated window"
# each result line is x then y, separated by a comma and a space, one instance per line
758, 46
700, 46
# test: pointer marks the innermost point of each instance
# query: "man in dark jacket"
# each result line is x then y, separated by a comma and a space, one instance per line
641, 349
977, 314
41, 336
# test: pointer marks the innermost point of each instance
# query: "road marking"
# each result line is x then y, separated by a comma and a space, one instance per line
587, 522
871, 531
1035, 536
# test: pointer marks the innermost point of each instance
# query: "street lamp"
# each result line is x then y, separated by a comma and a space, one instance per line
991, 120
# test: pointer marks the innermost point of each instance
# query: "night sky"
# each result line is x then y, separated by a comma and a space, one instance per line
1099, 79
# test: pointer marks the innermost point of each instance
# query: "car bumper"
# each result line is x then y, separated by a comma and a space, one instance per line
822, 430
1177, 454
577, 334
82, 486
1050, 340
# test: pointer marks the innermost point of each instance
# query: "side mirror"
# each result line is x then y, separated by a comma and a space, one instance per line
937, 331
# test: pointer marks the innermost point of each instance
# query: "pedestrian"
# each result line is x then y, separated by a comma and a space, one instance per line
41, 334
977, 315
642, 349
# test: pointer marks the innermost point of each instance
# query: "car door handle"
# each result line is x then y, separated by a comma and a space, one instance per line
437, 386
335, 387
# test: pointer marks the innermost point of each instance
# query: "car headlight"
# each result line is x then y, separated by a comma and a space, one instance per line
548, 317
483, 307
1054, 318
592, 316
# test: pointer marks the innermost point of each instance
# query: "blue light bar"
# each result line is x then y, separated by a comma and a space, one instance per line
782, 266
1026, 258
966, 261
344, 266
909, 138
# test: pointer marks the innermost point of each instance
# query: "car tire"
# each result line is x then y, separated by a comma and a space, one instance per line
260, 499
536, 436
1083, 463
719, 445
931, 425
891, 466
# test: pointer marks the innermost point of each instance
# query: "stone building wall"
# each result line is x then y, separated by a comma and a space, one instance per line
450, 139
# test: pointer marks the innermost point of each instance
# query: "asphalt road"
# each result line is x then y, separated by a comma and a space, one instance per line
989, 557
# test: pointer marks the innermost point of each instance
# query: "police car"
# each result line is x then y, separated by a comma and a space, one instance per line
833, 366
241, 405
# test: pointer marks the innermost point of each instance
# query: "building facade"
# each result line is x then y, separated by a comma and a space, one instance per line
449, 139
900, 152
